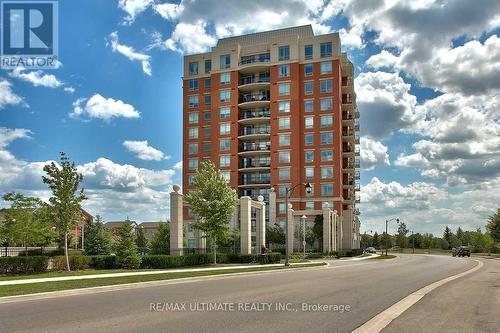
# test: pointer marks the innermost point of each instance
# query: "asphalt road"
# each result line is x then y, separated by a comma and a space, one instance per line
368, 287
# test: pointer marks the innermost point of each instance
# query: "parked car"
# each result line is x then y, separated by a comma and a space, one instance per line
370, 249
460, 251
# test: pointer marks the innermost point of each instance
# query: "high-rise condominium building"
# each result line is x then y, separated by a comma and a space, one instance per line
271, 110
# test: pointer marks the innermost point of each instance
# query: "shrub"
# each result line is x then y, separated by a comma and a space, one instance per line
126, 252
103, 262
242, 258
23, 265
269, 258
76, 263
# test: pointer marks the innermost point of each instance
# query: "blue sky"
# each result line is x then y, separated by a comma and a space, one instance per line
426, 78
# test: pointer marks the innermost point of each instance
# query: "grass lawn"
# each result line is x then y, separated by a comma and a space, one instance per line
492, 255
76, 284
423, 251
389, 256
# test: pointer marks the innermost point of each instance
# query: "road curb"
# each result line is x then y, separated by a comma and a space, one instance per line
380, 321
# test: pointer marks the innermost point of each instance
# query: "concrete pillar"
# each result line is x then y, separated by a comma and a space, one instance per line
201, 240
246, 225
335, 244
290, 229
327, 230
272, 207
261, 225
347, 230
176, 222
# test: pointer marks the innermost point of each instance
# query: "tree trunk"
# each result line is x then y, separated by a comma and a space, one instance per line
215, 250
66, 251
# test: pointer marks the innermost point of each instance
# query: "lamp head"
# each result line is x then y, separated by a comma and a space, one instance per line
308, 187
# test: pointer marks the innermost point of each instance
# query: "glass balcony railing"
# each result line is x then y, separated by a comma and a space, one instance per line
255, 79
252, 146
261, 179
256, 58
255, 163
258, 96
255, 130
256, 113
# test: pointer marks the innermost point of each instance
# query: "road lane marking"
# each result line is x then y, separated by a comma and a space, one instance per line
380, 321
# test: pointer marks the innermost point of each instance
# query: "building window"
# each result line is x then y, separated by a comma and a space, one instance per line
284, 123
325, 49
191, 179
207, 131
207, 116
208, 82
208, 66
208, 99
326, 121
225, 78
284, 70
281, 208
326, 155
225, 128
308, 139
284, 139
193, 101
284, 106
282, 190
193, 164
308, 105
284, 173
193, 117
193, 148
284, 88
225, 61
326, 172
224, 161
224, 113
193, 84
193, 68
193, 133
226, 175
326, 189
326, 138
224, 95
326, 104
284, 53
284, 156
308, 69
308, 52
325, 86
308, 88
309, 172
207, 147
224, 144
309, 205
309, 156
326, 67
309, 122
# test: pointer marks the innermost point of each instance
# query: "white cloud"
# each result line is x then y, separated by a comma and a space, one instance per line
8, 135
133, 8
70, 90
130, 53
373, 153
7, 96
144, 152
178, 166
382, 59
190, 38
102, 108
36, 78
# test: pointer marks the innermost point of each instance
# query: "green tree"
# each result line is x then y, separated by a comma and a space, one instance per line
318, 230
460, 236
160, 244
366, 241
386, 240
447, 236
141, 241
213, 202
493, 225
27, 221
401, 240
375, 240
275, 235
64, 181
427, 240
98, 239
126, 252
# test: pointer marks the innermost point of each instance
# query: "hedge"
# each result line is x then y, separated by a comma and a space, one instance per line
76, 263
103, 262
23, 265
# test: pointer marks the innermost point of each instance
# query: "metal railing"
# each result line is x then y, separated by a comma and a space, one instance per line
254, 97
255, 147
255, 114
256, 58
255, 130
255, 79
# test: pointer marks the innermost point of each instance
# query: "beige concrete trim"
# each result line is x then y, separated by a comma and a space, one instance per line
380, 321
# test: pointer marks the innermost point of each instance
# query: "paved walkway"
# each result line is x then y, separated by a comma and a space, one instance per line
164, 271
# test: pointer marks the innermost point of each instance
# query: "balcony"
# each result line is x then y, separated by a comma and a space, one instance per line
252, 82
356, 175
254, 99
254, 148
250, 133
254, 63
254, 116
350, 136
350, 151
256, 179
255, 164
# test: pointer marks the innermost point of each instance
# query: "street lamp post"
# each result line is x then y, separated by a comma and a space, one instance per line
304, 234
413, 242
387, 235
288, 192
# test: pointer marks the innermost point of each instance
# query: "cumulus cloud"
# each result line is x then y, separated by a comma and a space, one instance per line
102, 108
7, 96
133, 8
373, 153
130, 53
36, 78
144, 151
